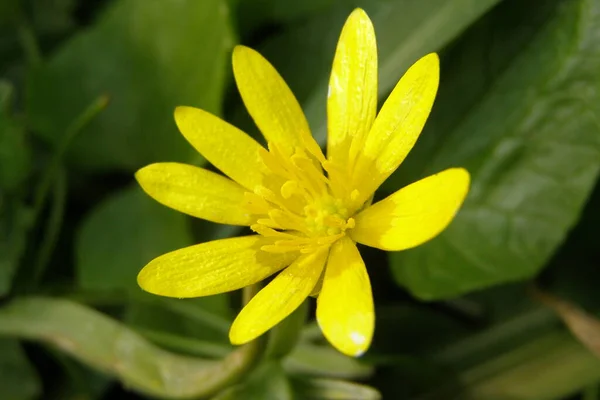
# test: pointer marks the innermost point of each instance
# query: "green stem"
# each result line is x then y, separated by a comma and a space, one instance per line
228, 371
52, 230
72, 131
284, 337
239, 363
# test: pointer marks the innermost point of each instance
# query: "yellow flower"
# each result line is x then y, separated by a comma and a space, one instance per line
308, 210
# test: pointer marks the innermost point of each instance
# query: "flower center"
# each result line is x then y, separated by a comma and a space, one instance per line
294, 205
327, 217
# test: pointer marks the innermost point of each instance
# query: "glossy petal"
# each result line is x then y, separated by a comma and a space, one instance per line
279, 298
345, 305
397, 125
414, 214
352, 94
271, 103
222, 144
213, 267
196, 192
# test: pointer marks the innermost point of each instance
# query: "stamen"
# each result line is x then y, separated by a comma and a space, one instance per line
288, 220
299, 205
289, 188
269, 223
272, 163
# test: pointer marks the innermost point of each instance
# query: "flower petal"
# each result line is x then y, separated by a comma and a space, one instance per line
352, 94
212, 267
279, 298
345, 304
271, 103
414, 214
223, 145
196, 192
397, 125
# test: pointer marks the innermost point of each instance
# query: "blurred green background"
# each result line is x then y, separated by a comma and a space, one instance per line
501, 306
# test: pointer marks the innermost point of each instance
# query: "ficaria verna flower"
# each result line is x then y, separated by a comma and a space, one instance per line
307, 210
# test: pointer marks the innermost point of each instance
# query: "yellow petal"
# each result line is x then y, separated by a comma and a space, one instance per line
279, 298
196, 192
345, 304
213, 267
222, 144
414, 214
397, 125
352, 93
271, 103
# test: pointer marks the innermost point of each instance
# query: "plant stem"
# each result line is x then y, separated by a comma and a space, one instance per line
284, 337
240, 362
72, 131
52, 230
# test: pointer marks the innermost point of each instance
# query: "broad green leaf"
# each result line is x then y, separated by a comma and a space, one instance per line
406, 30
19, 380
148, 57
532, 146
254, 15
109, 346
121, 235
469, 67
206, 318
118, 238
330, 389
267, 382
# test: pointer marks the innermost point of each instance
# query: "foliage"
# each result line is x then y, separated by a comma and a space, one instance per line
87, 91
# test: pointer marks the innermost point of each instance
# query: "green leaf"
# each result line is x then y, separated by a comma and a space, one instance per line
206, 318
532, 146
253, 15
148, 57
19, 380
406, 30
330, 389
267, 382
121, 235
110, 346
